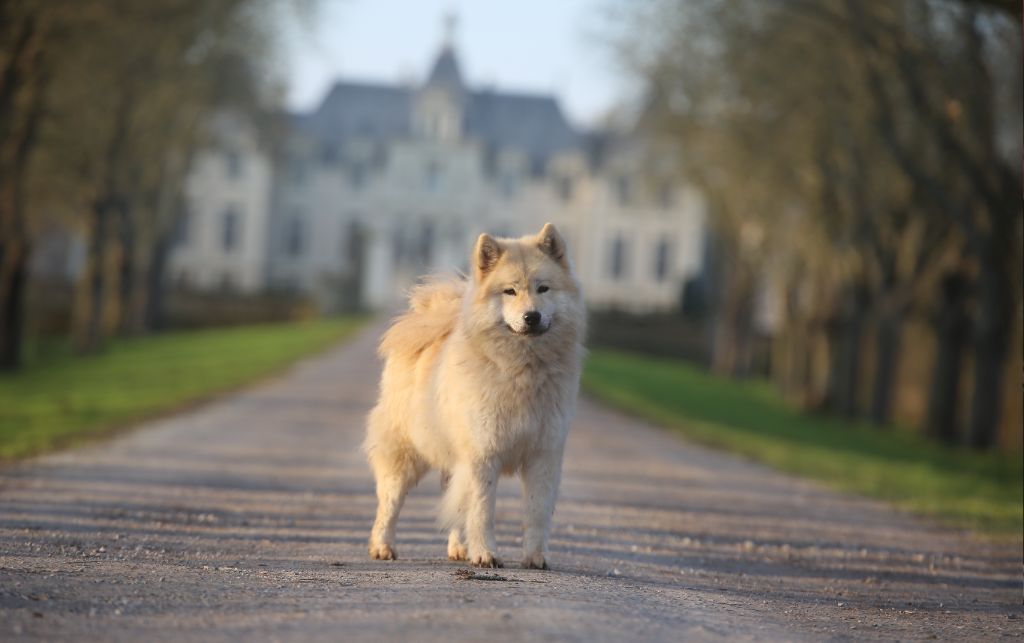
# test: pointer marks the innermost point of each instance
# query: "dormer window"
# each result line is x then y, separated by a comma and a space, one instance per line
432, 177
565, 187
233, 164
298, 172
666, 196
623, 190
357, 176
441, 100
438, 116
230, 222
617, 259
295, 238
662, 259
329, 154
509, 184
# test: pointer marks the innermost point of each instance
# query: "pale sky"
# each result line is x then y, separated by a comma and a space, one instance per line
528, 45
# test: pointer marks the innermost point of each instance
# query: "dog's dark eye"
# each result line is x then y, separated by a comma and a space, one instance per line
543, 289
511, 292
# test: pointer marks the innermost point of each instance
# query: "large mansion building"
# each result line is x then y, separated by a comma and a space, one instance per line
383, 183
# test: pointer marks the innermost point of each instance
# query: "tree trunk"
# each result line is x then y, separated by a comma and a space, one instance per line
723, 345
952, 329
23, 81
133, 282
853, 339
887, 355
90, 318
156, 284
832, 329
733, 325
744, 333
846, 338
790, 355
990, 345
14, 285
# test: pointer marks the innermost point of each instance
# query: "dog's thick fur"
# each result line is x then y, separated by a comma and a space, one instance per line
473, 389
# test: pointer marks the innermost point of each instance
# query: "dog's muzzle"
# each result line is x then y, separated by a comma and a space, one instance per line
529, 331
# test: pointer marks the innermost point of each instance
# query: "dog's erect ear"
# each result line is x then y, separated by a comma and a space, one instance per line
486, 254
552, 244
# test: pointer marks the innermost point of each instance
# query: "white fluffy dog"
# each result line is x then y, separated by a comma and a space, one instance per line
480, 379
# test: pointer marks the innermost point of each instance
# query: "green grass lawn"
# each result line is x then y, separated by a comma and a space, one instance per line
59, 399
977, 490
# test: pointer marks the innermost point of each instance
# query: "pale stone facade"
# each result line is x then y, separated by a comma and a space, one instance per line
222, 240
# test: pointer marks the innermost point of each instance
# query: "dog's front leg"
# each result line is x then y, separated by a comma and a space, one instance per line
540, 489
482, 490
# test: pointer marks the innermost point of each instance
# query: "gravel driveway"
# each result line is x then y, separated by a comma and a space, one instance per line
246, 519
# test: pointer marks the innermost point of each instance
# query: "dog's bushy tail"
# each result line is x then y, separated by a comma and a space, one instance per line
452, 508
433, 310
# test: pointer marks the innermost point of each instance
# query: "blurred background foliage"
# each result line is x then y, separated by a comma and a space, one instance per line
103, 105
862, 164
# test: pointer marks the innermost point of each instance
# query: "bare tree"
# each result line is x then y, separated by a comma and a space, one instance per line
863, 142
103, 104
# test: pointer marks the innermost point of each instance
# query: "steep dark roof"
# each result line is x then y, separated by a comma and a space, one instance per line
445, 74
362, 110
533, 124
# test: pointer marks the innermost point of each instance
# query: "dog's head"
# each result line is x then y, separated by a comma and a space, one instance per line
525, 286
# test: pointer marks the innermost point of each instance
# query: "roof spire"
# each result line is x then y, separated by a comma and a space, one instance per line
449, 23
445, 72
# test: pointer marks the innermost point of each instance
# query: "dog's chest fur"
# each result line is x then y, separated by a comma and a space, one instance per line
520, 409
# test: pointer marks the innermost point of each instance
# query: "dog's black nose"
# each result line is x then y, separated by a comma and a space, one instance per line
532, 318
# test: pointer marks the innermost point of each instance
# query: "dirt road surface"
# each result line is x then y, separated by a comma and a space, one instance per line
247, 519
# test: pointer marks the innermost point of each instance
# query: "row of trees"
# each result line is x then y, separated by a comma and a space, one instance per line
862, 166
103, 104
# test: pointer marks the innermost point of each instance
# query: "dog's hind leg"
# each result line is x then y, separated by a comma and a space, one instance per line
456, 545
396, 471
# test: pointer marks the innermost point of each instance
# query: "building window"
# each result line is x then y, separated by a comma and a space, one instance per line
565, 188
297, 172
617, 259
329, 154
380, 155
183, 228
398, 244
233, 163
351, 246
666, 196
295, 240
230, 224
433, 177
662, 260
348, 233
509, 185
426, 243
624, 190
357, 176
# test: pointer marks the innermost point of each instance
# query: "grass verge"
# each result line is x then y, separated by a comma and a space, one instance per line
62, 400
983, 491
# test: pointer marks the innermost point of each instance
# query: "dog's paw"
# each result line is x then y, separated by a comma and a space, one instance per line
534, 561
485, 559
383, 551
457, 552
